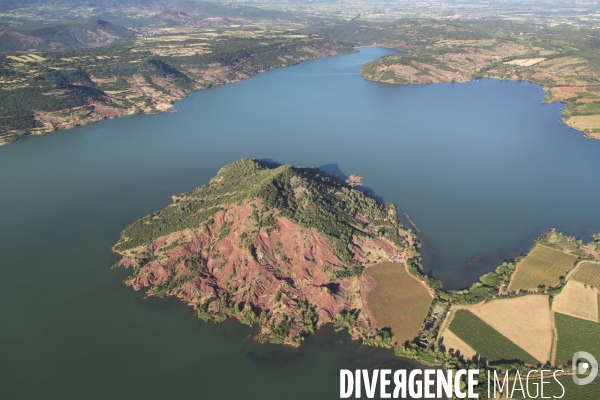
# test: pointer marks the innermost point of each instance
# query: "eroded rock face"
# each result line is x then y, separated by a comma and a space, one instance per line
251, 261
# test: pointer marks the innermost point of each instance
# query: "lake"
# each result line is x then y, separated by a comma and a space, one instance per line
482, 169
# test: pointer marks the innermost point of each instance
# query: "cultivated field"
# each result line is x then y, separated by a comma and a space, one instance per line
487, 341
398, 300
542, 266
588, 273
27, 58
526, 321
578, 301
553, 390
528, 62
573, 391
575, 334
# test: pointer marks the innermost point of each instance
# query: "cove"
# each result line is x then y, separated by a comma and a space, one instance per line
482, 169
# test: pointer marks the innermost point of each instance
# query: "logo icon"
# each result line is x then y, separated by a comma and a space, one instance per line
583, 367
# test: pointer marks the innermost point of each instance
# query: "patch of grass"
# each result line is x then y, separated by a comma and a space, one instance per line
485, 340
543, 266
387, 75
593, 107
577, 300
588, 95
575, 334
584, 122
399, 301
588, 273
224, 232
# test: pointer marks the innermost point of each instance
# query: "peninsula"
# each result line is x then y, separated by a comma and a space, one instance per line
289, 249
280, 247
562, 59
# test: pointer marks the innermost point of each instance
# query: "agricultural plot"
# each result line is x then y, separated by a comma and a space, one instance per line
575, 334
527, 62
593, 107
577, 300
588, 273
456, 345
526, 321
542, 266
27, 58
398, 301
571, 391
487, 341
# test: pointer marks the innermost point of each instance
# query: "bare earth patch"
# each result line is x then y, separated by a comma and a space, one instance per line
288, 268
578, 301
456, 345
528, 62
525, 320
396, 299
566, 92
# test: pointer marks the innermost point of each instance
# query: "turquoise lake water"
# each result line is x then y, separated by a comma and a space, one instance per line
482, 168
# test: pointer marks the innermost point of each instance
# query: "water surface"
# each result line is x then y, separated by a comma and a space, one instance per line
482, 168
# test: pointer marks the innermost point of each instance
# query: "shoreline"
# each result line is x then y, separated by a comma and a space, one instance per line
97, 114
151, 92
545, 88
162, 110
433, 75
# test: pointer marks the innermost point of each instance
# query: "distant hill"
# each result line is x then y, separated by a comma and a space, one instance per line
170, 18
14, 4
65, 36
193, 8
37, 25
190, 13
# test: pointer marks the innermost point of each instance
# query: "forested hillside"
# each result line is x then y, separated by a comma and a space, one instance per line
46, 91
54, 37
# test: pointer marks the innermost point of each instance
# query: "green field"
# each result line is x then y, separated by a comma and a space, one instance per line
485, 340
594, 107
571, 390
588, 95
574, 335
542, 266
